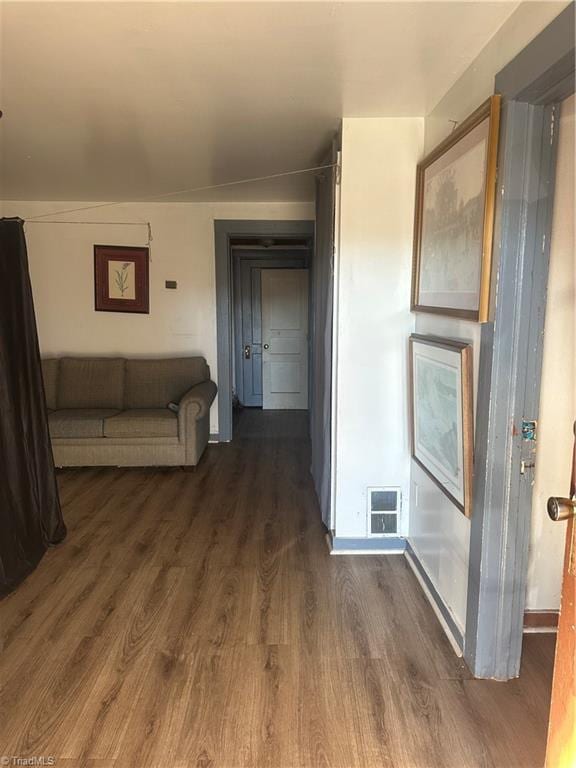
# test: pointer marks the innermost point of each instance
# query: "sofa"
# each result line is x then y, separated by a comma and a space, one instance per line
105, 411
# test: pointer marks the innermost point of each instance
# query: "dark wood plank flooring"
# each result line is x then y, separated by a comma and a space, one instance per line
197, 619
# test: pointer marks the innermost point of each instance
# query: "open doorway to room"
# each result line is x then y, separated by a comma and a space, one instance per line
275, 301
532, 86
270, 293
553, 436
262, 270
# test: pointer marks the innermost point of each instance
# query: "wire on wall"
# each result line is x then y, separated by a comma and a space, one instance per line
111, 223
102, 223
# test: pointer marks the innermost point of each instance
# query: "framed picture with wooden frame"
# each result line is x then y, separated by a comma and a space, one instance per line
454, 219
121, 279
441, 415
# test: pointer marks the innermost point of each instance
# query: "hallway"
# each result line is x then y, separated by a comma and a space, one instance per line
197, 619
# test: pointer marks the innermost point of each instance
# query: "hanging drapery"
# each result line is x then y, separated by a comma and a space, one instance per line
321, 360
30, 514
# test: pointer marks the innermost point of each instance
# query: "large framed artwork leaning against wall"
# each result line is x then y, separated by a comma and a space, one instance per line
121, 279
454, 219
441, 400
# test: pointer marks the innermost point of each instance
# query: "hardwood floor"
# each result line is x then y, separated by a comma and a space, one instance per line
197, 619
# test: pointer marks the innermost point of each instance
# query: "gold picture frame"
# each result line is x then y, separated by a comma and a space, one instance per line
454, 219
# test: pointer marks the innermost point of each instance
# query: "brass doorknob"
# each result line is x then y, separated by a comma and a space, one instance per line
561, 509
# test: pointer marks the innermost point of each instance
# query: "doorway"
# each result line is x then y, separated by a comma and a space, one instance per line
271, 350
532, 86
557, 391
257, 239
322, 235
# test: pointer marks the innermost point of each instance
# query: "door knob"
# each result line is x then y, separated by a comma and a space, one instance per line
266, 346
247, 351
561, 509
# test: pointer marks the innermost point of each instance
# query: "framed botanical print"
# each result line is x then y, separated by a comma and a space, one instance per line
442, 414
120, 279
454, 219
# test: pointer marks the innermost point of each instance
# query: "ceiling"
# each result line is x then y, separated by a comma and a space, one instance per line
126, 100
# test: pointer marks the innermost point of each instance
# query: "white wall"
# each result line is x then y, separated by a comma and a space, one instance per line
477, 83
181, 322
558, 393
439, 532
379, 158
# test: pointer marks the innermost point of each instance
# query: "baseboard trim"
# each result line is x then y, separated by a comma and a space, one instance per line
391, 545
541, 621
214, 438
447, 622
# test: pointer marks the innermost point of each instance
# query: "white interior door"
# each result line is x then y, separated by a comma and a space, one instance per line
285, 338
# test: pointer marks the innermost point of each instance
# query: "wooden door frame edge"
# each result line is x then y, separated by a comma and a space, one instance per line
544, 621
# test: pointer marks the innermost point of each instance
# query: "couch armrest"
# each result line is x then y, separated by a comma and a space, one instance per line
194, 420
197, 401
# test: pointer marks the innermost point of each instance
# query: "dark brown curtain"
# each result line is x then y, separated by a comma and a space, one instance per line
30, 514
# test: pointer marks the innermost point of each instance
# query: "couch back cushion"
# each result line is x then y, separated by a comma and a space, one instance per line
50, 376
155, 383
91, 382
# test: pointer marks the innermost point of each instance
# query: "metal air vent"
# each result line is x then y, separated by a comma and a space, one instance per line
384, 506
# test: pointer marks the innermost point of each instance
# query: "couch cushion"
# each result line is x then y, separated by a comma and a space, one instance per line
50, 376
142, 422
155, 383
79, 422
85, 382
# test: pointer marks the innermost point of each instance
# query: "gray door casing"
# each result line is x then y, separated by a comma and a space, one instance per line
532, 86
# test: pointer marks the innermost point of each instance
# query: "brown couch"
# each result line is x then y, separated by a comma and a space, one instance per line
113, 411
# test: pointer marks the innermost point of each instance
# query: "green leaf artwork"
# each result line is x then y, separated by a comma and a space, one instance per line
121, 278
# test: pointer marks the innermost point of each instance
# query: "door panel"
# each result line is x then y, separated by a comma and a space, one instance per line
285, 338
280, 346
284, 377
285, 309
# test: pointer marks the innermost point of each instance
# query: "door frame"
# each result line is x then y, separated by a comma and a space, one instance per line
262, 259
224, 231
532, 86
